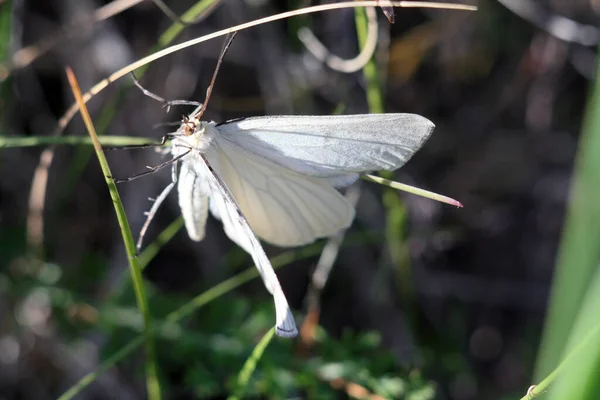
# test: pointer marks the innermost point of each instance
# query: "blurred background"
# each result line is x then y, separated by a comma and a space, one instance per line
424, 300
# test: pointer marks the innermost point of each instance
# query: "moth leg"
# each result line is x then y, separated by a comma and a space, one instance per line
157, 203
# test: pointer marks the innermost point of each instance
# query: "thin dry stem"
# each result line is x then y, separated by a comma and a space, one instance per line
37, 196
62, 123
320, 52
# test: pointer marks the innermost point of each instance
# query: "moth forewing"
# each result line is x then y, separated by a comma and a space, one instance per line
331, 146
234, 221
283, 207
197, 182
194, 195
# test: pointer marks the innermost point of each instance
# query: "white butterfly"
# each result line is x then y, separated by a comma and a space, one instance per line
276, 178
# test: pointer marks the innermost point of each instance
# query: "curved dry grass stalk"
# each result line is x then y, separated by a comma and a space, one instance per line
66, 118
321, 53
36, 202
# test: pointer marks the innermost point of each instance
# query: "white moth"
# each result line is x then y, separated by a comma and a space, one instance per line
276, 178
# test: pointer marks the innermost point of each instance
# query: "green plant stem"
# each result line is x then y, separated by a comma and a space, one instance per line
373, 85
250, 366
17, 141
191, 14
102, 368
165, 236
152, 383
395, 211
411, 189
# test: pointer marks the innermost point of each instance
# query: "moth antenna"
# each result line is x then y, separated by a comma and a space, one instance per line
152, 170
214, 77
135, 146
163, 124
162, 142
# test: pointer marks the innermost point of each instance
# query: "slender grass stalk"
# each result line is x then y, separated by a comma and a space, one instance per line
372, 83
250, 366
102, 368
165, 236
18, 141
152, 383
411, 189
149, 253
191, 14
64, 120
395, 210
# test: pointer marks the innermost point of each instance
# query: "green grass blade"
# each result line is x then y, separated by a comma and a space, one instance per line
250, 366
102, 368
395, 211
577, 373
579, 252
190, 15
18, 141
165, 236
411, 189
152, 383
373, 86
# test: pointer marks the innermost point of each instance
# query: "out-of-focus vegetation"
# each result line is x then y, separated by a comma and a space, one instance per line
424, 300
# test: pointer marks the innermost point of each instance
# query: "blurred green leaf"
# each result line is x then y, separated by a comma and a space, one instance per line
580, 371
579, 252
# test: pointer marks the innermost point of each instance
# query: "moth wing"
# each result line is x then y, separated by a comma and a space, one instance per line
335, 147
234, 221
193, 194
283, 207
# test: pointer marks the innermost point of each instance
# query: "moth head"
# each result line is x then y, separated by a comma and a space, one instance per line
191, 126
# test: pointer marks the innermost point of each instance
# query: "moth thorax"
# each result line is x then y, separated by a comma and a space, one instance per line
200, 138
